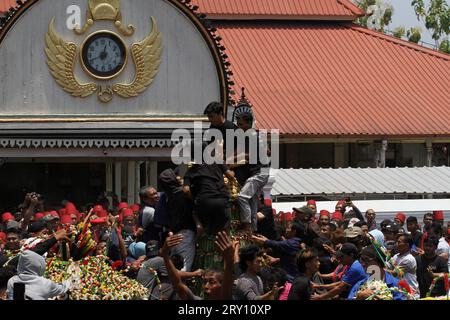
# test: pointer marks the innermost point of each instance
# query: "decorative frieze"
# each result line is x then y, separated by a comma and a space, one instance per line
86, 143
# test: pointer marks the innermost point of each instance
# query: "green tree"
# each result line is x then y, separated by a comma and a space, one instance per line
381, 6
445, 46
399, 32
436, 15
414, 35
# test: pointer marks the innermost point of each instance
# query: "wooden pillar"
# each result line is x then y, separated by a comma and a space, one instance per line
118, 180
153, 173
147, 175
131, 181
137, 174
429, 146
384, 147
109, 180
381, 154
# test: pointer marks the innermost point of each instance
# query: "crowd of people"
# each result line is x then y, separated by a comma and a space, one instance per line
300, 255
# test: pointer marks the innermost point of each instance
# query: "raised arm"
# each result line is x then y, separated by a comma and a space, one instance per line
358, 213
174, 276
226, 248
122, 248
28, 212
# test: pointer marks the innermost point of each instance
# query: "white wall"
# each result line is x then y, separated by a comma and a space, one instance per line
187, 80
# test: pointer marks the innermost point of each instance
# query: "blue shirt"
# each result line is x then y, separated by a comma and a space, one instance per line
390, 281
287, 249
354, 274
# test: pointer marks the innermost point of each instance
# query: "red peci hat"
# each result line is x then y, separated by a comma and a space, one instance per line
337, 215
340, 202
98, 221
54, 213
102, 214
38, 215
97, 208
3, 237
70, 206
135, 207
7, 216
313, 202
122, 205
289, 216
71, 211
66, 219
438, 215
127, 213
401, 216
324, 213
268, 202
99, 211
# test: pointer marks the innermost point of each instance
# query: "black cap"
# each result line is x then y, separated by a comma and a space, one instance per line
305, 210
385, 222
392, 227
36, 226
348, 249
411, 219
12, 226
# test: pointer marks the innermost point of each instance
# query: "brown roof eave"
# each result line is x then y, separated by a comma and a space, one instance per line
356, 137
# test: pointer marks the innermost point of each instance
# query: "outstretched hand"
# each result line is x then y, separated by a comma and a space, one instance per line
275, 290
226, 246
260, 239
62, 234
329, 249
171, 241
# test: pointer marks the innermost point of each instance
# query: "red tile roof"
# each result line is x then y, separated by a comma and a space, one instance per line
5, 5
293, 9
338, 79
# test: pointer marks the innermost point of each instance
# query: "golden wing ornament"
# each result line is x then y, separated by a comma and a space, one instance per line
147, 58
61, 57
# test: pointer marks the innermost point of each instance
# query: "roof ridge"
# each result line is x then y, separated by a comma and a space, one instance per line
352, 7
400, 42
345, 9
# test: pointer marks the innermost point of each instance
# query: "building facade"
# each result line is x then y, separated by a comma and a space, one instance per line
90, 109
341, 95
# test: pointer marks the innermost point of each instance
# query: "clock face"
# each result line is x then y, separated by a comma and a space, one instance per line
103, 55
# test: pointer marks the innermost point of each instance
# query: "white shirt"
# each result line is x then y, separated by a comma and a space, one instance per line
408, 264
443, 247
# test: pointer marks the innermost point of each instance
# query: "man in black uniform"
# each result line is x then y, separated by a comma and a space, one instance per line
215, 113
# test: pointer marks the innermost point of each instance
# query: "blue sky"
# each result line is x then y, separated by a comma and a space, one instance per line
404, 16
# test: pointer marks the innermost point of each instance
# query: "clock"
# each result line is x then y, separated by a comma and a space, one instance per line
103, 55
